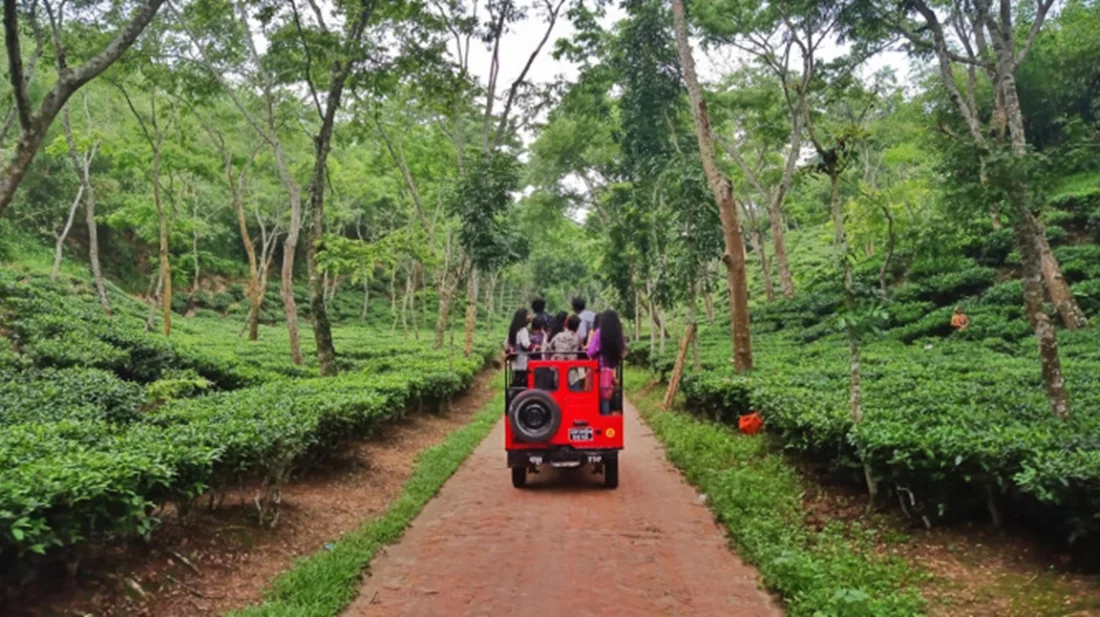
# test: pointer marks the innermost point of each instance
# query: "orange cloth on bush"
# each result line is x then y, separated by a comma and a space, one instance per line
959, 321
751, 424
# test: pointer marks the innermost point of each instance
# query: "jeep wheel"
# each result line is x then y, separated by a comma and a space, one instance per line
519, 477
611, 473
534, 416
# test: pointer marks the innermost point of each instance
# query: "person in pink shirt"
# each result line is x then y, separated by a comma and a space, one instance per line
608, 347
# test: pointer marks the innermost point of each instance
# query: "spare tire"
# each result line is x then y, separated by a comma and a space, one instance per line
534, 416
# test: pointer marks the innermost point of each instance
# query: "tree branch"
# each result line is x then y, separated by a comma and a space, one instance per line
502, 124
15, 64
1041, 10
220, 77
309, 59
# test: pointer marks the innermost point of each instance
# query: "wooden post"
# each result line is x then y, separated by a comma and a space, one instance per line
678, 369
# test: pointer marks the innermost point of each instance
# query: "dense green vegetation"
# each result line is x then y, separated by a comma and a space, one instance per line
103, 424
757, 495
954, 422
855, 171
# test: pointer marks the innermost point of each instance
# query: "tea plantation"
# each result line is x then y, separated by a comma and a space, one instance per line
102, 425
955, 423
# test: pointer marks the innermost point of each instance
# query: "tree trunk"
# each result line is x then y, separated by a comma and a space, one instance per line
256, 303
290, 246
165, 267
151, 319
58, 252
678, 368
489, 295
757, 240
1027, 240
322, 329
723, 195
195, 257
93, 246
890, 241
855, 390
1060, 294
366, 300
693, 322
83, 171
756, 237
257, 282
786, 282
708, 301
652, 309
441, 322
412, 300
405, 303
393, 298
855, 398
663, 331
1030, 241
471, 312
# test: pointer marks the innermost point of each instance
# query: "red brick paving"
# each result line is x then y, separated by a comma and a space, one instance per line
564, 546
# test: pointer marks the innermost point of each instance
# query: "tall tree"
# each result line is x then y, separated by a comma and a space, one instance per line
722, 189
155, 128
258, 262
214, 37
351, 51
82, 163
987, 33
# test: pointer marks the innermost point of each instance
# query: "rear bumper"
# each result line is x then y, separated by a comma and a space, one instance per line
565, 457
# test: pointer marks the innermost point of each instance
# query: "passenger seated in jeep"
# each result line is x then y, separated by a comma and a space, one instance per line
608, 346
565, 344
519, 343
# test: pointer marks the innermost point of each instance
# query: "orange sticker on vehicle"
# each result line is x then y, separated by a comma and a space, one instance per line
610, 432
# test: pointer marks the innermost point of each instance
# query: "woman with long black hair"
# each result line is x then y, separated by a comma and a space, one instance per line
557, 326
519, 343
609, 347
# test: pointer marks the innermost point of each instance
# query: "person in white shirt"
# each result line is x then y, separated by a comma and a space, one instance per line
565, 344
519, 343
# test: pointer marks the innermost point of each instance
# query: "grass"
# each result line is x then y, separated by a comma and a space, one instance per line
322, 584
757, 495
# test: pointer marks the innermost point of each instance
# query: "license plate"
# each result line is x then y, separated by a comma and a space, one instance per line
580, 434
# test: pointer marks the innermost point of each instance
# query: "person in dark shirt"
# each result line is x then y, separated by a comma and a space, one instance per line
538, 311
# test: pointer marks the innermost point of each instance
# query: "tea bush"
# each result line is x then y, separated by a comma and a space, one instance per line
952, 423
102, 423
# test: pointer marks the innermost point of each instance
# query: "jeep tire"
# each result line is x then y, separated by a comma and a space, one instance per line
534, 416
611, 473
519, 477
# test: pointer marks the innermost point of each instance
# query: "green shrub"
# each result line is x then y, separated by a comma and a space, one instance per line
1079, 263
176, 384
71, 479
1087, 294
948, 421
991, 248
950, 287
68, 393
905, 313
1008, 293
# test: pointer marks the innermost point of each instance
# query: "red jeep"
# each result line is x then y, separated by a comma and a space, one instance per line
554, 419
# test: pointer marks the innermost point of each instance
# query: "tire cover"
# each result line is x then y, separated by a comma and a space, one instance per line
537, 405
